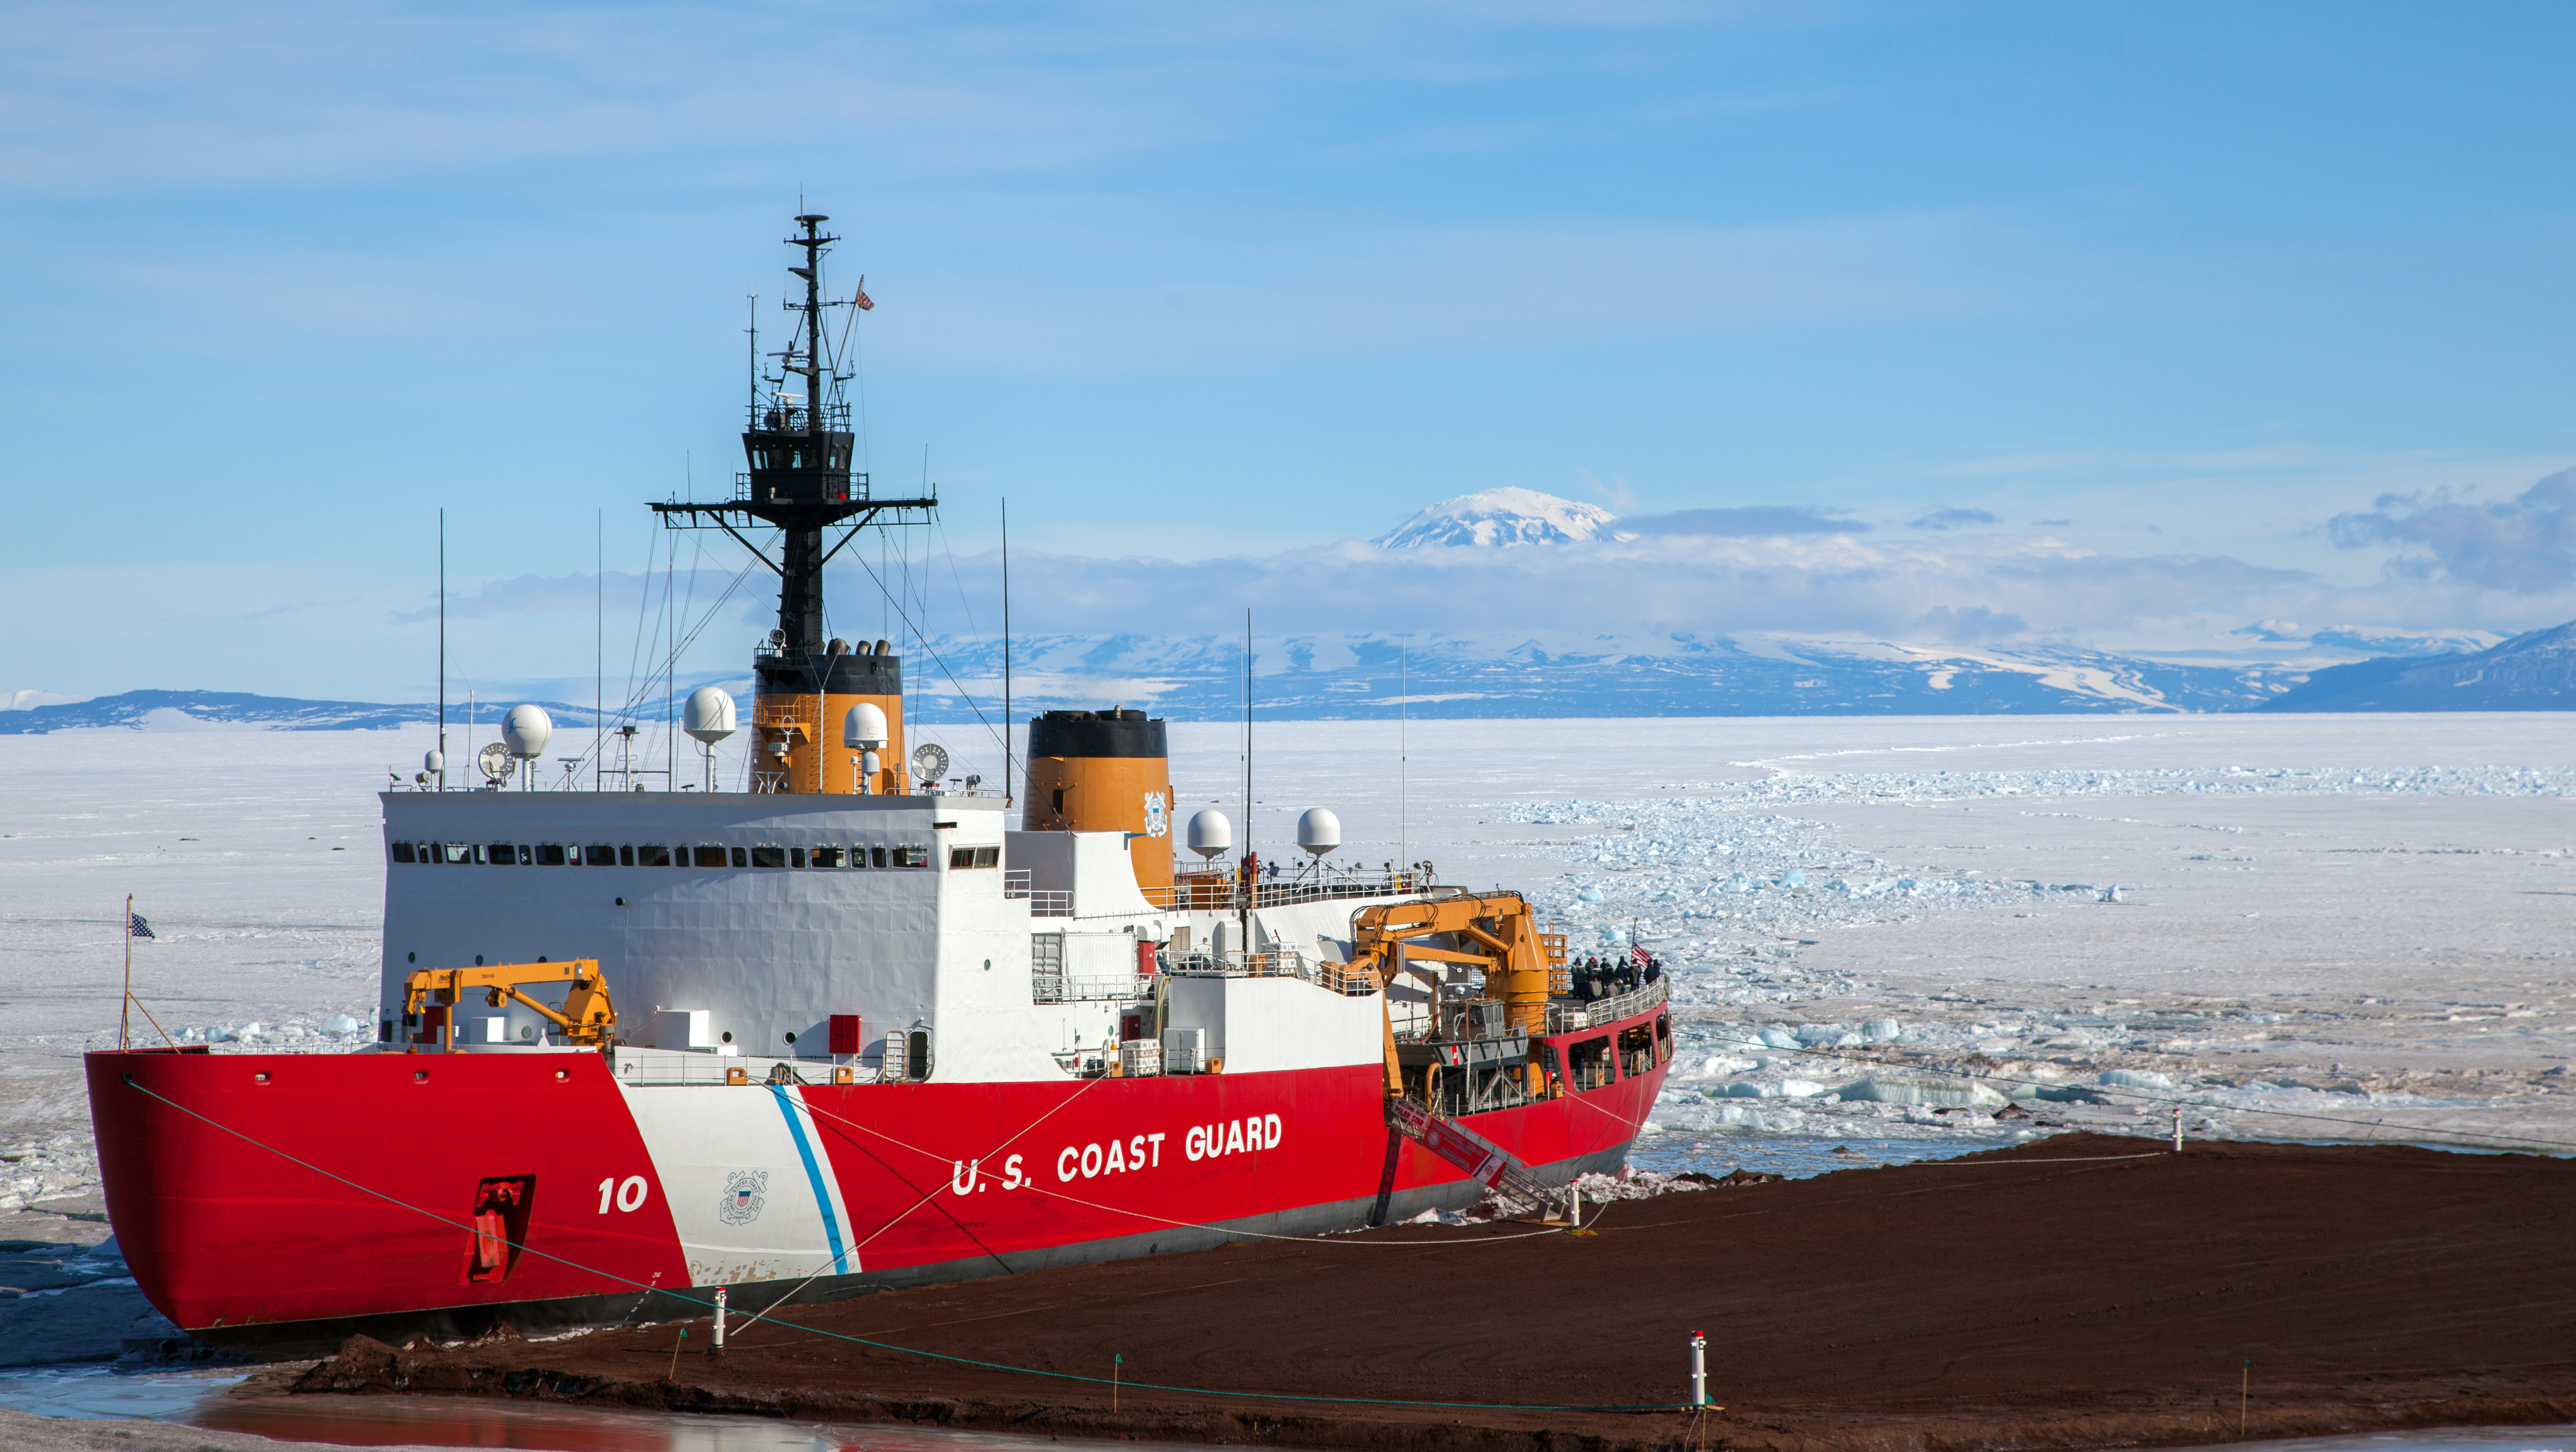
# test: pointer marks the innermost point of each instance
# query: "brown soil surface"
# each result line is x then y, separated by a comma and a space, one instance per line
2033, 1297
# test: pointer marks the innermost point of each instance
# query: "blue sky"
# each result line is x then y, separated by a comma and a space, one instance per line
2225, 312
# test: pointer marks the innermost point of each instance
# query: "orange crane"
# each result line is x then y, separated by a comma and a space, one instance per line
586, 1017
1495, 931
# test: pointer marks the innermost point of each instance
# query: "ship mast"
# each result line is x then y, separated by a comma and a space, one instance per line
799, 482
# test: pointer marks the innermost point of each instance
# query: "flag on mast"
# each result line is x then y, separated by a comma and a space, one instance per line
862, 300
138, 928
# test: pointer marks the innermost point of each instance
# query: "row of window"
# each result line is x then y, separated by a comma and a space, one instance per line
655, 854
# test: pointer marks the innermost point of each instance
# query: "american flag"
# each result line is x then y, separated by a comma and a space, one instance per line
865, 305
138, 928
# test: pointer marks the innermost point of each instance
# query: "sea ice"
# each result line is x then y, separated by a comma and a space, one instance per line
2135, 1079
2314, 918
1953, 1093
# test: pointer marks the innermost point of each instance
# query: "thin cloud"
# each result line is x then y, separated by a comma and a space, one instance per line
1969, 625
1952, 518
532, 595
1752, 521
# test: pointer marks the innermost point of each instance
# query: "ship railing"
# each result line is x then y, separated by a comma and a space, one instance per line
1044, 902
1065, 988
698, 1066
1222, 892
1333, 977
1567, 1017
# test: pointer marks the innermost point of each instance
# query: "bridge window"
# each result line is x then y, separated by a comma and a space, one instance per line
653, 854
769, 857
550, 854
1636, 1051
501, 854
599, 854
1587, 1064
974, 857
912, 857
625, 856
402, 852
824, 857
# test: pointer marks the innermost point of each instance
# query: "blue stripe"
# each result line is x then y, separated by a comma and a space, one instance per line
814, 1175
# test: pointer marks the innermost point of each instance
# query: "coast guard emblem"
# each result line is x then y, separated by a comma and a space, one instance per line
741, 1203
1158, 817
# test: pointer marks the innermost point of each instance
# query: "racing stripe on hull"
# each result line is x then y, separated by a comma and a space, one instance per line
843, 1263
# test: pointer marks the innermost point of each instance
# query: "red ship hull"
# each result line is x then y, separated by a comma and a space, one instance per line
283, 1202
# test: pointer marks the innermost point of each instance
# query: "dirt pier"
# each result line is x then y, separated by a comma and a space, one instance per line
2081, 1291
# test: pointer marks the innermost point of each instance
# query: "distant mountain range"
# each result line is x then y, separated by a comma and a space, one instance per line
233, 710
2534, 672
1377, 676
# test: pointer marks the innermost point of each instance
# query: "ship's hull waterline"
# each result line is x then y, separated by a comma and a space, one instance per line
280, 1203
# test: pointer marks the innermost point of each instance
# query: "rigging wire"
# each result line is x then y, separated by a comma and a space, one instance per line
962, 693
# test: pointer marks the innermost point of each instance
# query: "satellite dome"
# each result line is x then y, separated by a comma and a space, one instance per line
864, 729
1319, 831
709, 717
527, 729
433, 760
1210, 833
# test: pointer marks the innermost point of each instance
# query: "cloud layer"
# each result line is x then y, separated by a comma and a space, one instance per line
2525, 545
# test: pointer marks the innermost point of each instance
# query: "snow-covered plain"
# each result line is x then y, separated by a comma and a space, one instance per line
1885, 932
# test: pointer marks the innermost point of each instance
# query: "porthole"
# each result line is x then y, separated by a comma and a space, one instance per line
561, 1075
411, 957
420, 1076
261, 1077
478, 960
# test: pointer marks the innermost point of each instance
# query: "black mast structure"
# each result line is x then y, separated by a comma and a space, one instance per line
800, 483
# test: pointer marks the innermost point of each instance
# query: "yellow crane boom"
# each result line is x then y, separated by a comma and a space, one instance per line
586, 1017
1495, 931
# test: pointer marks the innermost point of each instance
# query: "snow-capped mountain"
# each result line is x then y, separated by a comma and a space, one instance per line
1502, 517
2531, 672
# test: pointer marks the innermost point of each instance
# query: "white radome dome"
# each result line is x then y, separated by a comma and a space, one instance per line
1210, 833
864, 728
526, 730
1319, 831
709, 716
